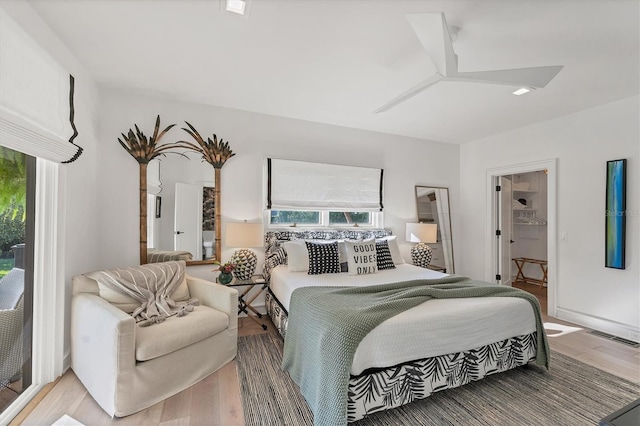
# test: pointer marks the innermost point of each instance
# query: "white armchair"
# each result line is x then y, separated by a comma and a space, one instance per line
127, 368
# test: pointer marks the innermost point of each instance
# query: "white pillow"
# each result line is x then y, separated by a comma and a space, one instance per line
394, 249
297, 256
342, 251
361, 257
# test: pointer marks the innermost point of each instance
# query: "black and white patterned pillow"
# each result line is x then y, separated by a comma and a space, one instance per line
385, 261
323, 258
272, 259
277, 257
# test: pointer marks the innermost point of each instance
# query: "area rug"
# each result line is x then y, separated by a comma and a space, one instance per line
571, 393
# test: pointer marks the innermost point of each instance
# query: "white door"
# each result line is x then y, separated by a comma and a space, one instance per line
504, 231
188, 219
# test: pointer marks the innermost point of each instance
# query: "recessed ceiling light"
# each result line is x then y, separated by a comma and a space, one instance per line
521, 91
236, 6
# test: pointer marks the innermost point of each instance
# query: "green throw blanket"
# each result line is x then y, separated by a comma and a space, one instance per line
326, 325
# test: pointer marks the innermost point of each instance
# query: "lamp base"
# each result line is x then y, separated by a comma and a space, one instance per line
421, 255
245, 261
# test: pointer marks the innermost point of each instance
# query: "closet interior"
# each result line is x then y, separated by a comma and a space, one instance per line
529, 230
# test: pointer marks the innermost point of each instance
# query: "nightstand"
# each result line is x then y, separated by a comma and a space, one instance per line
246, 298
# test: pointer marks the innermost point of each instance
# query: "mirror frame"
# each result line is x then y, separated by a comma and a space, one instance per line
452, 271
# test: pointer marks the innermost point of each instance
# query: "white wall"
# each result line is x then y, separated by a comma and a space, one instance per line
587, 292
77, 179
406, 161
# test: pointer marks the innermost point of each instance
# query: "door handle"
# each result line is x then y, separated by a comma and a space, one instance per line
179, 232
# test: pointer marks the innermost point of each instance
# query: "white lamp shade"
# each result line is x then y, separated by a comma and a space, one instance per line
244, 235
422, 232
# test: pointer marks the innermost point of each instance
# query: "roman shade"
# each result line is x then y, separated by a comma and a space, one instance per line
302, 185
36, 98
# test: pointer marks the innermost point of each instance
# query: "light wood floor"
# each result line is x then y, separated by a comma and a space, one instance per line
614, 357
216, 399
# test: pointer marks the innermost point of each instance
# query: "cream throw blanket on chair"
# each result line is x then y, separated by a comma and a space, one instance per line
151, 285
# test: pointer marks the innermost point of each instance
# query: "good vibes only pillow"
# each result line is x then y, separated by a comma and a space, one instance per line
361, 257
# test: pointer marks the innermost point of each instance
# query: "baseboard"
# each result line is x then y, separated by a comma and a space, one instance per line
66, 361
600, 324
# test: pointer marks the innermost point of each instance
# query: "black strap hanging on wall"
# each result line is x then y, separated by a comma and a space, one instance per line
381, 188
269, 183
71, 120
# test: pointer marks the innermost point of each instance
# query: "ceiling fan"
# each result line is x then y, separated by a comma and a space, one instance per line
433, 33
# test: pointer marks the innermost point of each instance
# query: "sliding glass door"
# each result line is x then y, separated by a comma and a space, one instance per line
17, 217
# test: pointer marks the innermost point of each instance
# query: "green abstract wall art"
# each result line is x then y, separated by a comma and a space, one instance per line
615, 213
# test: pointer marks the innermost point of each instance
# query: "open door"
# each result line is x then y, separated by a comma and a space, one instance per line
498, 249
504, 230
188, 219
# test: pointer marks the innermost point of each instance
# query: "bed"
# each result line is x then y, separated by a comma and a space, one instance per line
436, 345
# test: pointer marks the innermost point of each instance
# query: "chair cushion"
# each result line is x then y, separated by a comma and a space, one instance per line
11, 288
176, 332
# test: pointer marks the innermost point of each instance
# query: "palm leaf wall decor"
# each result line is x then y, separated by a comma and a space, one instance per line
215, 153
143, 150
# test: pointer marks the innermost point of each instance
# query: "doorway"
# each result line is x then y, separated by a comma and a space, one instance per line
521, 240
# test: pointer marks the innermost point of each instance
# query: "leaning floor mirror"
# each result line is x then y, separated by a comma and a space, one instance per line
433, 207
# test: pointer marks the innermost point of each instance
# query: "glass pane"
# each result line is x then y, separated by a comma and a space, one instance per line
15, 346
291, 216
361, 218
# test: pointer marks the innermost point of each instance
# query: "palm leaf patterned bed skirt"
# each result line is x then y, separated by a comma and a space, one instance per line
383, 389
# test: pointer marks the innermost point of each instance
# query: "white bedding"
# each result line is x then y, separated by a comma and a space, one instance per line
435, 327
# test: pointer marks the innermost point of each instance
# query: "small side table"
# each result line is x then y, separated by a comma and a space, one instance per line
246, 298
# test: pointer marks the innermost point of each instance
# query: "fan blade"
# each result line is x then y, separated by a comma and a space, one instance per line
433, 33
537, 77
410, 93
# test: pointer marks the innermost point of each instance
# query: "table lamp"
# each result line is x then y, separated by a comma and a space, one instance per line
243, 234
421, 233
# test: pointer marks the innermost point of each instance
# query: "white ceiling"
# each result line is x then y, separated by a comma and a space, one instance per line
336, 61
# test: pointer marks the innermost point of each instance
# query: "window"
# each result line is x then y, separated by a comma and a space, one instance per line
301, 193
346, 218
290, 217
324, 218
